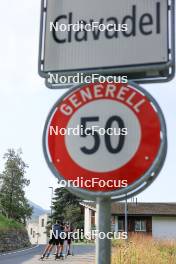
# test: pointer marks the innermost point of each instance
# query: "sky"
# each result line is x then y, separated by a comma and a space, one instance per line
25, 103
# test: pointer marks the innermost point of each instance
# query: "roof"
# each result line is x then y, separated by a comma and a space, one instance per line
149, 209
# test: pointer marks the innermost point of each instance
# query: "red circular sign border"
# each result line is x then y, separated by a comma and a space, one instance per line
67, 171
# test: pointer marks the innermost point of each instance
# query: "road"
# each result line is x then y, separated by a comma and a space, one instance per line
82, 254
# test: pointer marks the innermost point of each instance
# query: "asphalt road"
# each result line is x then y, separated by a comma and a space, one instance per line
21, 256
28, 255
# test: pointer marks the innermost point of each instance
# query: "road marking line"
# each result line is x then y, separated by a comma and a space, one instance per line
10, 253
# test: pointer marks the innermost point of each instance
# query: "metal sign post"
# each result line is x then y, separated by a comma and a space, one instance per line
103, 246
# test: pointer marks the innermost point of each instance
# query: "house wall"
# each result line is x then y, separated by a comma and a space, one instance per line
37, 230
87, 220
43, 239
131, 223
164, 227
32, 229
91, 220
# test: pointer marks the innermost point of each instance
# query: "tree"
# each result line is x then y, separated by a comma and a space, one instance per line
66, 207
12, 196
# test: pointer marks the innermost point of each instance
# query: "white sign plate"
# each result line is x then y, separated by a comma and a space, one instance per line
144, 46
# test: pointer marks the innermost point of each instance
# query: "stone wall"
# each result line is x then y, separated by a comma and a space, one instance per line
13, 239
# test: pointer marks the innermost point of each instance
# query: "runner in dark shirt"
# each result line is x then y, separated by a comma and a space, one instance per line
60, 246
54, 241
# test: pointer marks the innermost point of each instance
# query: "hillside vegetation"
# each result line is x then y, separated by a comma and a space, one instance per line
6, 224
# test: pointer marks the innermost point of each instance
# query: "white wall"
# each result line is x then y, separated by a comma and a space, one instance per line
87, 220
32, 229
37, 232
164, 227
43, 239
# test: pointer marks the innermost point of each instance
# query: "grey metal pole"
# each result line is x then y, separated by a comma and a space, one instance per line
103, 246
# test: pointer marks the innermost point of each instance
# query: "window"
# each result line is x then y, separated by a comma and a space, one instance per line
93, 218
120, 225
33, 234
113, 223
93, 213
113, 220
140, 226
43, 222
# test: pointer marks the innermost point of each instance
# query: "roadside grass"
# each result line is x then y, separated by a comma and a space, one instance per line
6, 224
142, 249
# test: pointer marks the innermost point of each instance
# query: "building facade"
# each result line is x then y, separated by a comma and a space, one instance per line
37, 230
155, 219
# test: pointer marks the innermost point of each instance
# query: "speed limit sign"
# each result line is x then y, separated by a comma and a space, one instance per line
105, 139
